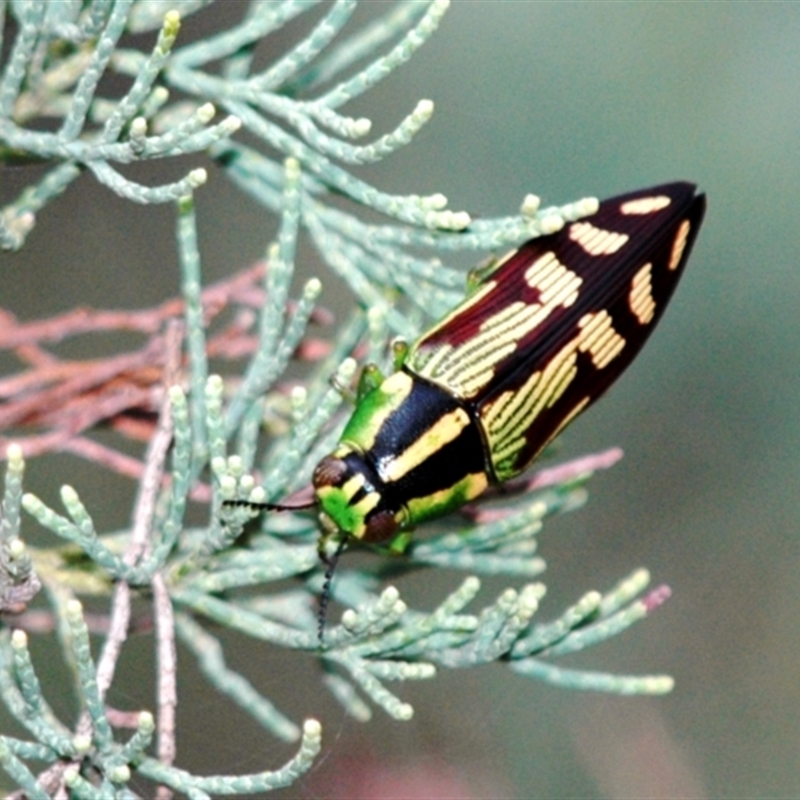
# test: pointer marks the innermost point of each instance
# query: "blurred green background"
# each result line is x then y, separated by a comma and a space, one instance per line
564, 100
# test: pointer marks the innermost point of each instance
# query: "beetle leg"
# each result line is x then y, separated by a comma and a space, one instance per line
400, 543
478, 275
371, 378
329, 545
399, 352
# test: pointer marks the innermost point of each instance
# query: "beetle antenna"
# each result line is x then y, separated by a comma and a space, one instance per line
267, 506
330, 563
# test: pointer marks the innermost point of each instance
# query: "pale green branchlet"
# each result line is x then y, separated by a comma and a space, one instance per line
213, 429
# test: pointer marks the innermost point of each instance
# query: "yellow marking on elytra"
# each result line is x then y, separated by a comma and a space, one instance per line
474, 299
464, 370
508, 418
472, 365
596, 241
645, 205
511, 414
431, 361
679, 244
544, 268
556, 284
504, 462
447, 428
556, 383
611, 348
640, 297
599, 338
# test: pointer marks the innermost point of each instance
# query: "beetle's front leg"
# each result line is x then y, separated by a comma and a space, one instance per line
369, 378
400, 543
480, 274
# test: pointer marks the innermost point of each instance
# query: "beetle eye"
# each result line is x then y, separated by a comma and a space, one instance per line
380, 527
331, 471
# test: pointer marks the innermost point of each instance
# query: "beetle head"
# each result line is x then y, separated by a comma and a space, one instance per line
352, 498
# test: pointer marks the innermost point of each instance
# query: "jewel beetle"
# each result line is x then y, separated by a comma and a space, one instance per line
542, 334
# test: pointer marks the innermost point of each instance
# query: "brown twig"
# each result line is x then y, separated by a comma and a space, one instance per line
548, 476
53, 403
